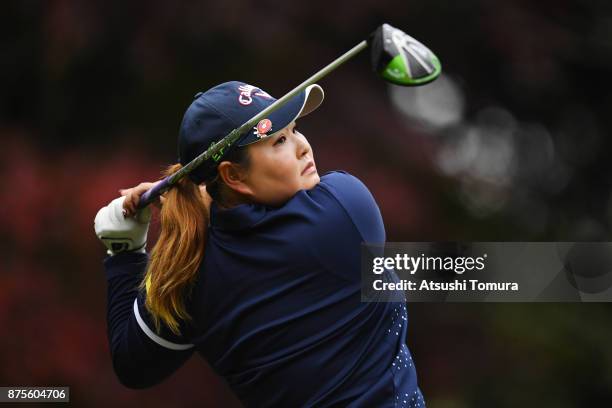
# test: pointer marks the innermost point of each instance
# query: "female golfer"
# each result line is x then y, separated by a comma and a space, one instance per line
259, 272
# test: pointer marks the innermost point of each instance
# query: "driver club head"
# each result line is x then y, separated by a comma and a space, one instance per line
400, 59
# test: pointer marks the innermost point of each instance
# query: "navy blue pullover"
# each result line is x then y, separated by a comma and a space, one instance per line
276, 308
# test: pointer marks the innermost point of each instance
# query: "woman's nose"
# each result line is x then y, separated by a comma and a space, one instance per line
303, 147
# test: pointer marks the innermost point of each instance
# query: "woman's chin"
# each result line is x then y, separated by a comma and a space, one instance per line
311, 180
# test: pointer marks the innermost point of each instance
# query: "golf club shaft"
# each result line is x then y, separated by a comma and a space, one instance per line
165, 184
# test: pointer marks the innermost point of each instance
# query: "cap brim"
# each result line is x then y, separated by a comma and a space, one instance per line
314, 99
300, 105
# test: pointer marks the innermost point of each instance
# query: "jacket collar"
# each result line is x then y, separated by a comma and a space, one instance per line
243, 216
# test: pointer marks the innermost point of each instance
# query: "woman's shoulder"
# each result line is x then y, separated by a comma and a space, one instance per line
344, 186
346, 215
344, 198
348, 190
339, 177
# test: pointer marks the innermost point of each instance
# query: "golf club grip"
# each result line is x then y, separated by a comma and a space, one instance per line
150, 195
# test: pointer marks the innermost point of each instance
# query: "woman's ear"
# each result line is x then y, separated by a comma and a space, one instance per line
235, 177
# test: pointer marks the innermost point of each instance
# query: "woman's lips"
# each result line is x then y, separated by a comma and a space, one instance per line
310, 168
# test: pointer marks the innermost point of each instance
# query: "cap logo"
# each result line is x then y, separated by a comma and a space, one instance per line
263, 127
246, 91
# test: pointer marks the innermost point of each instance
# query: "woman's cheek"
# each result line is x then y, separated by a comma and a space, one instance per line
283, 168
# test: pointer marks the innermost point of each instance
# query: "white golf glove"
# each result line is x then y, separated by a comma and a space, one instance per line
120, 234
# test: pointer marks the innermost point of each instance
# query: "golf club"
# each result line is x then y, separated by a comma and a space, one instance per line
396, 57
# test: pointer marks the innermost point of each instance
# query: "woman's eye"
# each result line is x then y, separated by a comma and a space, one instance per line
280, 140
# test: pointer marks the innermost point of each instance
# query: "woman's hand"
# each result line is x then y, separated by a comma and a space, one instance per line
119, 233
132, 197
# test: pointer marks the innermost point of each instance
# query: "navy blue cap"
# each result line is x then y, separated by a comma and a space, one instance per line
215, 113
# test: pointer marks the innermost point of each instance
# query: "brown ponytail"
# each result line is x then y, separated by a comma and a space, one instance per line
177, 255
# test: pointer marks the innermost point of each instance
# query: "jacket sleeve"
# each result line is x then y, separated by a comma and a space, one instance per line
348, 218
141, 358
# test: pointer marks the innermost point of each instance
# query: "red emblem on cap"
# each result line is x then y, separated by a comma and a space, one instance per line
263, 127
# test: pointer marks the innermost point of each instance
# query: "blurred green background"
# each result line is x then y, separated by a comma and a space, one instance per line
511, 143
